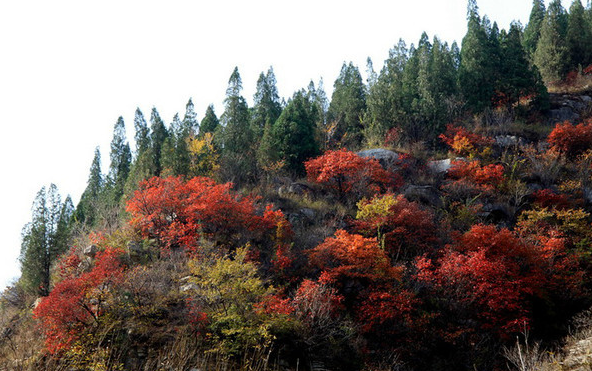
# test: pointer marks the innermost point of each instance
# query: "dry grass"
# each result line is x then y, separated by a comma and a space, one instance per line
574, 84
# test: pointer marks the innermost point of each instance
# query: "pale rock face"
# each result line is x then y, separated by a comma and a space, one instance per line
90, 251
387, 158
579, 357
440, 166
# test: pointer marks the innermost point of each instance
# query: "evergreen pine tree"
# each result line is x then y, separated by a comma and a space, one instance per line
533, 28
121, 158
141, 165
347, 107
210, 122
142, 136
237, 139
44, 239
190, 124
579, 36
86, 211
551, 53
291, 138
158, 135
385, 97
267, 106
476, 71
517, 78
175, 152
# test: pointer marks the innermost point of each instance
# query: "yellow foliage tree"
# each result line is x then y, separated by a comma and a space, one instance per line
203, 155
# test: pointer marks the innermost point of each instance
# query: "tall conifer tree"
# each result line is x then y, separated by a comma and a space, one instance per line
533, 28
44, 239
238, 147
267, 105
476, 69
121, 158
86, 211
158, 135
579, 36
291, 138
210, 122
347, 107
552, 53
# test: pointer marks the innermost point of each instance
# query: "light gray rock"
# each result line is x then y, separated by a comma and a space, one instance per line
563, 114
36, 302
587, 193
90, 251
442, 166
308, 213
579, 357
387, 158
508, 140
188, 287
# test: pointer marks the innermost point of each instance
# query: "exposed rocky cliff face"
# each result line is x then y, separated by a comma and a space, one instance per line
569, 107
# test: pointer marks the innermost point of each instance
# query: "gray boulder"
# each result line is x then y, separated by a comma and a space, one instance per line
508, 141
426, 195
440, 166
90, 251
563, 114
385, 157
296, 188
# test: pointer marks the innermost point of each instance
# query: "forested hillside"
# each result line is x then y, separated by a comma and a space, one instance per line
433, 216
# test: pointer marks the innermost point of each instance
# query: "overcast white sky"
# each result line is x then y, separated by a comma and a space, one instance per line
69, 69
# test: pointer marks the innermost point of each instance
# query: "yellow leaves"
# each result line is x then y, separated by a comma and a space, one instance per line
570, 222
227, 290
203, 154
375, 208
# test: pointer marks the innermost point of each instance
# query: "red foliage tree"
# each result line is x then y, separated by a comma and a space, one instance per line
347, 173
180, 213
402, 227
76, 302
489, 277
482, 279
351, 257
570, 139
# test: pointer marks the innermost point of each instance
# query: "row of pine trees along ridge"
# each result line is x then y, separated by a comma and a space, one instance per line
415, 100
418, 90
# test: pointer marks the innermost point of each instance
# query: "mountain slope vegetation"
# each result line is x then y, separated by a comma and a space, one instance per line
434, 217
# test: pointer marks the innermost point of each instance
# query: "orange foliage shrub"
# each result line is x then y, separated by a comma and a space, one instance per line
352, 257
570, 139
347, 173
485, 178
179, 213
371, 286
463, 142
